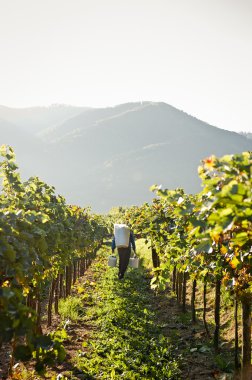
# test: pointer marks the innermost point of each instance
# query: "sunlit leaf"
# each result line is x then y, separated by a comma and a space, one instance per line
234, 262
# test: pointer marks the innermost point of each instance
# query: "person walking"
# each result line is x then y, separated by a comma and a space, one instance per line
124, 254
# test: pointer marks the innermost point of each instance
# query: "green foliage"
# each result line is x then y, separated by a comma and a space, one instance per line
208, 234
48, 349
126, 341
39, 236
227, 191
223, 364
23, 353
71, 308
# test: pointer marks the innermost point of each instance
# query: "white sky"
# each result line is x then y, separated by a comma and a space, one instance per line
193, 54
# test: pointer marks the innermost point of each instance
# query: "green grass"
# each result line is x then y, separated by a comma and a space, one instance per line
126, 342
71, 308
144, 252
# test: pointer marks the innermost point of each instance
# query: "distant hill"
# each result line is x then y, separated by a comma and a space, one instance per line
111, 156
75, 126
247, 134
36, 119
28, 148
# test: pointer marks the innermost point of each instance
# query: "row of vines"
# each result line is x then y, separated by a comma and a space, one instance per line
205, 237
45, 245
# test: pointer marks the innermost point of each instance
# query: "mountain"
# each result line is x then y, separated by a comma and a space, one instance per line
28, 148
247, 134
111, 156
90, 117
36, 119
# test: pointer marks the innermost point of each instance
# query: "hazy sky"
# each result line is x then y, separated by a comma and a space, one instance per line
193, 54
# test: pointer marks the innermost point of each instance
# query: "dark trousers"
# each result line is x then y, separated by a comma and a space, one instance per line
124, 256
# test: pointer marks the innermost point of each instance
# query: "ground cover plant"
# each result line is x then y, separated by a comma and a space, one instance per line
126, 341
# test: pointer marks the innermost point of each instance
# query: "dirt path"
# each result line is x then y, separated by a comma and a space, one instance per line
190, 340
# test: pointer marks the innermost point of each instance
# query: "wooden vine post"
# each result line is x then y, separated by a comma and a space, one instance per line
217, 314
194, 287
155, 258
204, 307
237, 363
184, 292
246, 339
